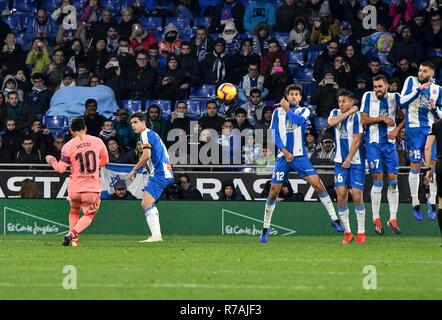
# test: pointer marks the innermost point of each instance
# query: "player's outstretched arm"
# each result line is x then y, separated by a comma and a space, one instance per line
335, 120
409, 94
147, 152
59, 166
431, 138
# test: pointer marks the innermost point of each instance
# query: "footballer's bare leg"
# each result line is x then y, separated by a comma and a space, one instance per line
152, 217
317, 184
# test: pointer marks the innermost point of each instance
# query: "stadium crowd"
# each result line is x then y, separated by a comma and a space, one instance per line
177, 52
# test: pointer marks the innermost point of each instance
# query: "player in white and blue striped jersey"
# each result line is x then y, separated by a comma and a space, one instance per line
289, 124
349, 162
419, 98
378, 115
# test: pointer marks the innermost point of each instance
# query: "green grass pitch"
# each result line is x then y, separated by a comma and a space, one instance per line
215, 267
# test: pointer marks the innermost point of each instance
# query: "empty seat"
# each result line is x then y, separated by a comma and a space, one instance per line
165, 105
321, 123
203, 91
14, 22
27, 6
193, 108
389, 70
309, 88
282, 38
113, 5
180, 23
151, 22
132, 105
79, 4
303, 74
51, 5
202, 21
296, 57
311, 57
56, 122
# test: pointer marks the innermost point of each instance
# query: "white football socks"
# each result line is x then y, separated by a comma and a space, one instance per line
433, 191
268, 212
376, 195
393, 198
328, 204
360, 216
413, 181
153, 220
343, 213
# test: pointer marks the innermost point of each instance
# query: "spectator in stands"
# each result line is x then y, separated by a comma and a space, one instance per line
156, 60
286, 15
41, 136
29, 190
230, 35
326, 155
361, 87
299, 37
4, 30
188, 191
274, 50
402, 149
108, 131
54, 71
241, 61
229, 192
342, 72
261, 38
188, 62
433, 33
265, 121
141, 39
346, 36
38, 56
12, 55
251, 81
68, 26
401, 12
156, 122
112, 39
417, 25
241, 122
28, 153
89, 14
404, 69
407, 47
94, 81
230, 143
101, 27
94, 120
125, 26
57, 145
395, 85
357, 25
201, 43
11, 136
125, 54
111, 75
257, 12
179, 118
58, 16
140, 81
325, 60
116, 154
98, 56
3, 107
23, 83
286, 193
68, 80
124, 130
121, 192
211, 119
324, 28
215, 68
253, 106
277, 79
19, 111
382, 12
228, 10
135, 153
171, 42
324, 96
354, 58
75, 54
374, 69
251, 150
310, 143
41, 26
5, 154
174, 83
10, 84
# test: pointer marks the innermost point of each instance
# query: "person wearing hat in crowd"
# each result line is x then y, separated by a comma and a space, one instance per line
123, 129
310, 143
98, 57
40, 96
361, 87
346, 36
174, 83
299, 37
326, 154
171, 42
215, 66
324, 96
67, 80
121, 192
229, 192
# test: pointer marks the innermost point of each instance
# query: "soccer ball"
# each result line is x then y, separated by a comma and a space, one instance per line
226, 92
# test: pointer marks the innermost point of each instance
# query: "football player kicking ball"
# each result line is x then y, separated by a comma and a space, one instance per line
289, 124
349, 163
161, 177
85, 155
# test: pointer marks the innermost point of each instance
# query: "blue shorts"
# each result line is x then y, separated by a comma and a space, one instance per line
416, 139
301, 165
382, 158
156, 186
354, 177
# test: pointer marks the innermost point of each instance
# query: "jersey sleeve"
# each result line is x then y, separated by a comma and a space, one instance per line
357, 124
65, 157
333, 113
408, 94
397, 99
299, 118
144, 138
275, 130
365, 103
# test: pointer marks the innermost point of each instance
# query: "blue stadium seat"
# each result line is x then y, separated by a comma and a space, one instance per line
79, 4
246, 35
203, 91
321, 123
215, 35
186, 34
27, 6
309, 88
202, 21
151, 22
282, 38
14, 22
193, 108
3, 4
165, 105
180, 23
113, 5
311, 57
388, 69
51, 5
296, 57
420, 4
25, 45
132, 105
157, 34
56, 122
303, 74
137, 3
269, 102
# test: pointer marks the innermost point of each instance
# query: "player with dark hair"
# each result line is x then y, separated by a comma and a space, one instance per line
85, 155
160, 178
